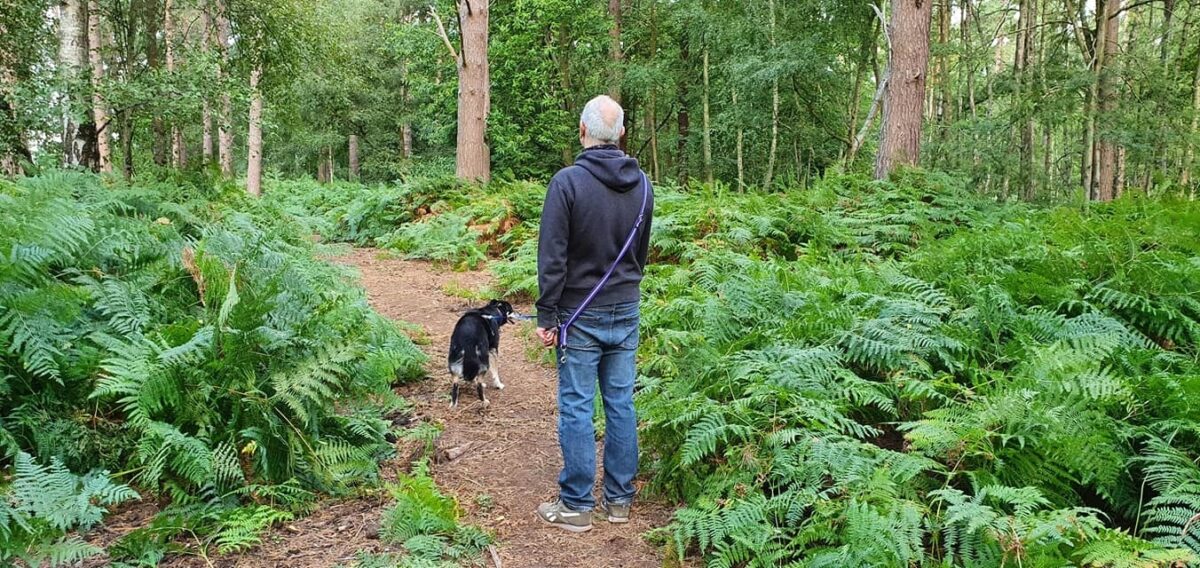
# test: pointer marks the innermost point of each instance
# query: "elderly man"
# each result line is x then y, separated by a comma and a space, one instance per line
595, 223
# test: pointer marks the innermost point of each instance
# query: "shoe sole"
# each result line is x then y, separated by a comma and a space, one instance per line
565, 526
600, 514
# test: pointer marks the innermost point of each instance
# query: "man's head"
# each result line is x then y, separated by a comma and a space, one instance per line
602, 122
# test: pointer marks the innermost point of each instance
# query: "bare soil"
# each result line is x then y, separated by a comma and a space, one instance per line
499, 463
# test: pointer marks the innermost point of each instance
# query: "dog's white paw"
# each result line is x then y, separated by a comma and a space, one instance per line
498, 385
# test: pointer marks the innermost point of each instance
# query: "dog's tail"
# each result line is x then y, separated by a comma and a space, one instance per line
470, 363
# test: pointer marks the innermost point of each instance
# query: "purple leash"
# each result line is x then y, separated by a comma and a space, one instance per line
562, 329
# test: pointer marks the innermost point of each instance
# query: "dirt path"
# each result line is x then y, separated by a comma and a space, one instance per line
513, 457
510, 464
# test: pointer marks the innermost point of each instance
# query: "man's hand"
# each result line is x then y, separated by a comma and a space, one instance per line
549, 337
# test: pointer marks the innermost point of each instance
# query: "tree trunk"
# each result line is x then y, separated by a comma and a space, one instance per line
652, 113
1026, 22
1104, 170
708, 170
225, 113
254, 135
178, 156
943, 103
564, 83
769, 177
160, 143
353, 159
1189, 154
908, 61
127, 143
474, 92
684, 123
881, 81
406, 135
99, 106
741, 169
206, 139
71, 48
615, 52
329, 163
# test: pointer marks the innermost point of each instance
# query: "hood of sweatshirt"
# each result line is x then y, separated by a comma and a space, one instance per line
611, 166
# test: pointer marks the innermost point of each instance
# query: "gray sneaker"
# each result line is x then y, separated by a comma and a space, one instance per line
613, 512
560, 515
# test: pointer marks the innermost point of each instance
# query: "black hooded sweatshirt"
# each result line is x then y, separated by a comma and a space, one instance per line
590, 209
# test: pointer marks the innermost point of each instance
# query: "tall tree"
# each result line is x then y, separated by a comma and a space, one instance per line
99, 105
254, 141
1104, 172
615, 52
908, 62
708, 170
352, 159
1189, 154
206, 118
769, 177
178, 150
225, 112
473, 157
71, 48
1026, 22
683, 124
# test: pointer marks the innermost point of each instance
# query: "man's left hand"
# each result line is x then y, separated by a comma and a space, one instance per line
549, 337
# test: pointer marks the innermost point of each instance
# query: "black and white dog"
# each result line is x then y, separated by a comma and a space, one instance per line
474, 347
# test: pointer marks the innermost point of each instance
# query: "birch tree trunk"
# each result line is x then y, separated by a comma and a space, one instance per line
407, 136
206, 138
225, 113
178, 156
1026, 21
770, 175
71, 48
353, 158
1104, 170
99, 107
741, 169
904, 93
708, 170
254, 136
474, 93
684, 118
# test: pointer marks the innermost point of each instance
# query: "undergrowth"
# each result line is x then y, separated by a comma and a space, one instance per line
188, 338
899, 373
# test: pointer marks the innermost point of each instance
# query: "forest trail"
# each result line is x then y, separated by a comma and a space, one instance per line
510, 465
512, 457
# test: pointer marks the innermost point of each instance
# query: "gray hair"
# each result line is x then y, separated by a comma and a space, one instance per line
604, 119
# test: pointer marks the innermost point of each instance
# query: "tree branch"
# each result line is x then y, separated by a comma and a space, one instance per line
445, 38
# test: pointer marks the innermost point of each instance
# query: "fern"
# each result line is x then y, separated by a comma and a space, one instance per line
44, 502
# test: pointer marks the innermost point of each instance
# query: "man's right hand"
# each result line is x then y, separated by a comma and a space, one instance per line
549, 337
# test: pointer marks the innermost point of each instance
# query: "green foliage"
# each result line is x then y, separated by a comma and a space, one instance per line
900, 373
190, 338
444, 238
426, 523
43, 503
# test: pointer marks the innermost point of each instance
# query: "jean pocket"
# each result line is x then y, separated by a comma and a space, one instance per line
633, 337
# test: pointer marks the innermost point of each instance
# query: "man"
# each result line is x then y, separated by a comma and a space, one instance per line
590, 211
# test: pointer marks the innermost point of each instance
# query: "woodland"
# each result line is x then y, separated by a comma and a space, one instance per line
924, 285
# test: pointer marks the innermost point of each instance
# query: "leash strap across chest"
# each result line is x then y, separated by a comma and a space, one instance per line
562, 329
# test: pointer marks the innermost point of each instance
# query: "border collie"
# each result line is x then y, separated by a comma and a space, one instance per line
474, 347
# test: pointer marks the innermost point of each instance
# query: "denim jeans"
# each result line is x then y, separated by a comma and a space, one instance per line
601, 348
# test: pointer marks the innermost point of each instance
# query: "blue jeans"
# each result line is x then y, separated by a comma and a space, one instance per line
601, 347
